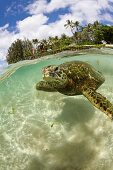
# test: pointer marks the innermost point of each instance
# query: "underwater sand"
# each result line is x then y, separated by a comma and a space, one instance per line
51, 131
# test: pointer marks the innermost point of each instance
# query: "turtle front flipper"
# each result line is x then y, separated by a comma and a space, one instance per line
99, 101
45, 86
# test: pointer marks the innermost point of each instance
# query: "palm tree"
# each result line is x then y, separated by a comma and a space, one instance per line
71, 25
98, 34
44, 41
85, 35
76, 24
35, 41
81, 28
63, 37
89, 27
50, 42
96, 24
56, 38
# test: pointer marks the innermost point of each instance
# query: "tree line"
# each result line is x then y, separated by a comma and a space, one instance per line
94, 33
81, 35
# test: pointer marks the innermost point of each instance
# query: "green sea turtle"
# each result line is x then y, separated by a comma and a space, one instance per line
76, 78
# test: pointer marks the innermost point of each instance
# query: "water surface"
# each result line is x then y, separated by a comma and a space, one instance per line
50, 131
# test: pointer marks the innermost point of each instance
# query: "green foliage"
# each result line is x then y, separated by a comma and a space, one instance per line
12, 110
98, 36
35, 41
15, 52
90, 34
53, 124
107, 33
27, 49
98, 62
56, 123
19, 50
86, 43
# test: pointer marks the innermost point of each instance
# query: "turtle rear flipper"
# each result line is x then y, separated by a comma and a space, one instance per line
99, 101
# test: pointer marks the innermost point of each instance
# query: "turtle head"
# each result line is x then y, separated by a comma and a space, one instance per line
54, 75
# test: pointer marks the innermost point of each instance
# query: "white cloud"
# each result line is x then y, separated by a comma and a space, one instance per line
83, 10
57, 4
30, 25
35, 26
107, 17
42, 6
6, 38
4, 27
88, 11
37, 7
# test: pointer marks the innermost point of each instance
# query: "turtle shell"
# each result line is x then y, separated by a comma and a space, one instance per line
80, 75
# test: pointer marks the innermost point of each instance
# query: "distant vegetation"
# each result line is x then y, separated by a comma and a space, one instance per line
19, 50
90, 34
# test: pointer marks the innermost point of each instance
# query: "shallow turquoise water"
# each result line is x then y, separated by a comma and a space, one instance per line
81, 136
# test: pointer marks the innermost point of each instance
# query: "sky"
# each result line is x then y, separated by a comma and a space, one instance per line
43, 18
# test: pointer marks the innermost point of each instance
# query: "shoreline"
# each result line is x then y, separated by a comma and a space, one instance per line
75, 48
14, 66
109, 45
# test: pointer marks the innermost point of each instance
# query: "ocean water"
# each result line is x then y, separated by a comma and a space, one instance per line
50, 131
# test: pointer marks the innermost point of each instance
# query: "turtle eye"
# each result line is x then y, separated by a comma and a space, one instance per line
51, 74
56, 69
